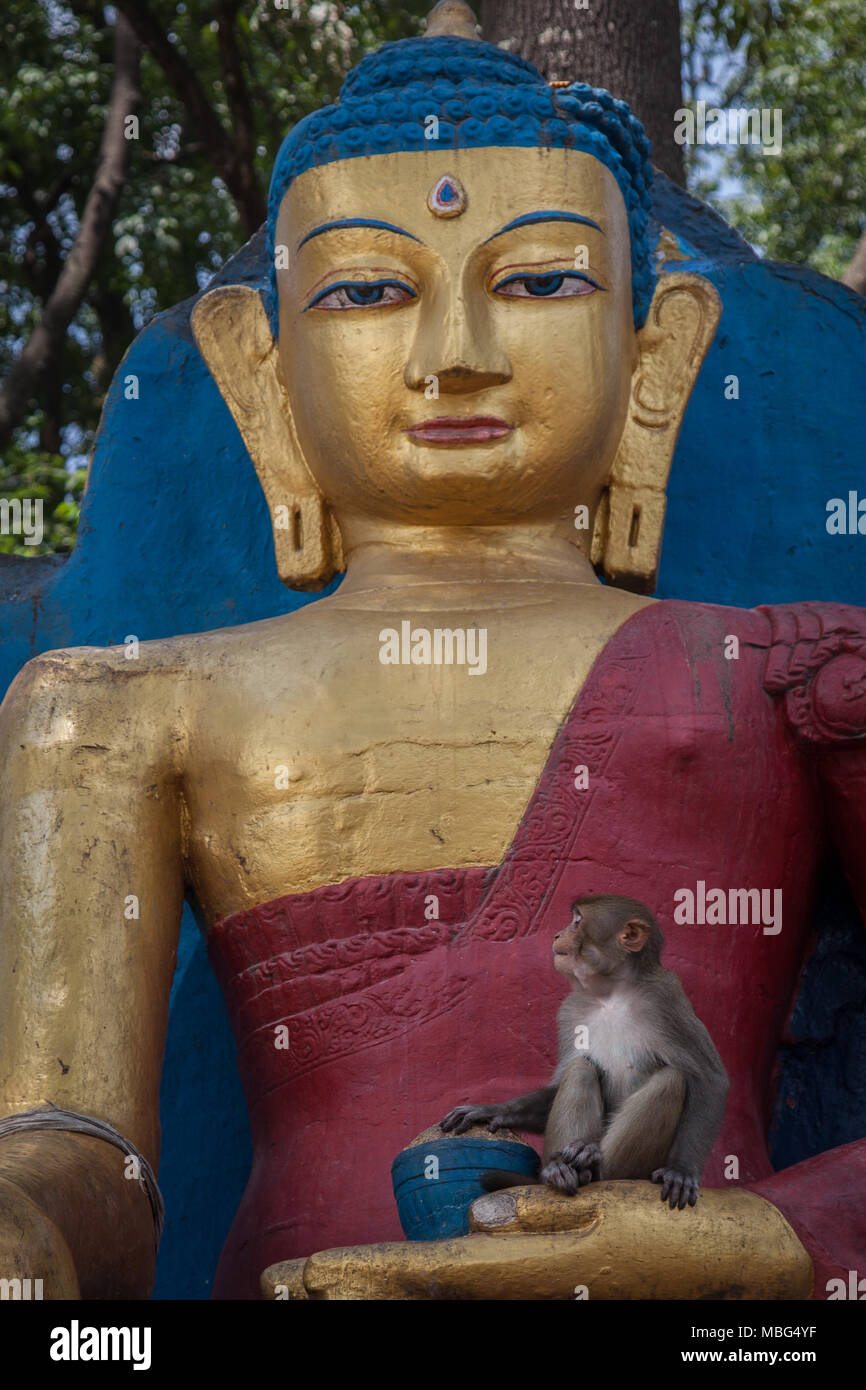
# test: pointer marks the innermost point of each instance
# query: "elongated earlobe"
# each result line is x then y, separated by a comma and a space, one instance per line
233, 335
627, 539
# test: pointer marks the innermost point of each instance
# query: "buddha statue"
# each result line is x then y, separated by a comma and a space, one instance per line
463, 391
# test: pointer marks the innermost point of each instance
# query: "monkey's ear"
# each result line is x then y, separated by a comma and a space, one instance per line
634, 935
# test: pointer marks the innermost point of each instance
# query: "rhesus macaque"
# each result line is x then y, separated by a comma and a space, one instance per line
639, 1090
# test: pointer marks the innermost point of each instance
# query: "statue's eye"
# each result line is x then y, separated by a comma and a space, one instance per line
556, 284
362, 294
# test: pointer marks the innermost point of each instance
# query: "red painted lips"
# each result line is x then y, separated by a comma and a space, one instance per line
457, 429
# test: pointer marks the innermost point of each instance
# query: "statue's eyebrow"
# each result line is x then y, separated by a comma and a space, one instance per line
551, 215
356, 222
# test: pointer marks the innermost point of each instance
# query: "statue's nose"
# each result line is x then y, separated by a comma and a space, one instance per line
455, 344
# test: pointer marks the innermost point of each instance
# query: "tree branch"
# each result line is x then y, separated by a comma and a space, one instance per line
855, 275
177, 160
238, 98
46, 341
42, 277
237, 174
42, 273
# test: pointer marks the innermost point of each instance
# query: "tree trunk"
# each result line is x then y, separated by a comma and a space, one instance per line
631, 47
42, 349
116, 327
233, 163
51, 429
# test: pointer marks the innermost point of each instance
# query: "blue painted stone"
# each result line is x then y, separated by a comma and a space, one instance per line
432, 1208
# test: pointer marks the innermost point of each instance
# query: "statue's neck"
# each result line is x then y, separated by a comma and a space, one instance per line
412, 556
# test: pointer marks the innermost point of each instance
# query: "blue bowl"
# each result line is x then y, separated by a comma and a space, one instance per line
435, 1183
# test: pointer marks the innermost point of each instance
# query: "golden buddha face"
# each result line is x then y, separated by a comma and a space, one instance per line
453, 367
459, 358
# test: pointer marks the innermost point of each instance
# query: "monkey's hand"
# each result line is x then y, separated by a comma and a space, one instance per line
528, 1112
573, 1168
463, 1117
680, 1187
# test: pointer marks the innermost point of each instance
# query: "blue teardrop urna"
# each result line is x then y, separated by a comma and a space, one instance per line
447, 197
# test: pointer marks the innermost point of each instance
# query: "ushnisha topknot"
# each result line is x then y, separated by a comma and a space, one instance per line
481, 96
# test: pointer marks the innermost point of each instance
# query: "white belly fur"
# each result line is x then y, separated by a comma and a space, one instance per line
619, 1042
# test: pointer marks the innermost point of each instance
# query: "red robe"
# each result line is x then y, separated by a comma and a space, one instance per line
702, 766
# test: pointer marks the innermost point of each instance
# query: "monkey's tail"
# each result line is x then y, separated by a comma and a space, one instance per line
495, 1179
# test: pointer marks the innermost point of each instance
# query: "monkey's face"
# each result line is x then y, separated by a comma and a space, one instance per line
576, 953
595, 944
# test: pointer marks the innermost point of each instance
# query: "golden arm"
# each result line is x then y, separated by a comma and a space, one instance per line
89, 826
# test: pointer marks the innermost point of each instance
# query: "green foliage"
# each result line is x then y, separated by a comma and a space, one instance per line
807, 204
175, 225
37, 476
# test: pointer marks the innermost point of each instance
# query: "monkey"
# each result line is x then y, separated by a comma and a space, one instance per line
639, 1090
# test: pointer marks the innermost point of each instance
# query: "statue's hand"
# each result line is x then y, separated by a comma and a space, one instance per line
613, 1240
31, 1247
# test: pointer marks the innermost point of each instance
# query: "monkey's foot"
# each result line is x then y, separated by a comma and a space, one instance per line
681, 1188
573, 1168
560, 1176
585, 1158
